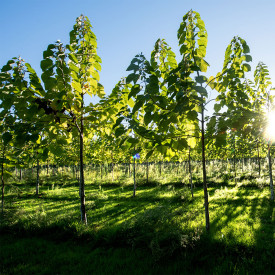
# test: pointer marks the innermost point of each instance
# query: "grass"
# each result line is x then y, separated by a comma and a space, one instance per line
160, 231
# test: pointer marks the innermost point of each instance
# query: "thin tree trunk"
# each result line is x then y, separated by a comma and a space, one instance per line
206, 203
77, 169
81, 176
125, 167
134, 171
2, 179
47, 167
234, 162
147, 172
37, 175
112, 171
270, 174
112, 167
190, 173
259, 160
20, 174
76, 173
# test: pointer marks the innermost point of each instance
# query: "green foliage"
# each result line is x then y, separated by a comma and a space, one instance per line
157, 110
192, 38
169, 98
233, 108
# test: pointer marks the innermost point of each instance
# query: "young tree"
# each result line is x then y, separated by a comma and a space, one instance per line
233, 99
17, 117
263, 87
76, 74
172, 98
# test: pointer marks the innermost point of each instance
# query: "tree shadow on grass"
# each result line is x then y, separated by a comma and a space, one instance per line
257, 213
150, 221
265, 234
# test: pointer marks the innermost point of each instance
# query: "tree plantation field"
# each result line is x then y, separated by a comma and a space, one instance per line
160, 230
146, 180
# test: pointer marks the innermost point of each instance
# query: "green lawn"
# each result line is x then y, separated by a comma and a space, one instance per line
160, 231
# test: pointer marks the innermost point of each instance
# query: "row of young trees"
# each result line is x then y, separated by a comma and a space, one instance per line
158, 110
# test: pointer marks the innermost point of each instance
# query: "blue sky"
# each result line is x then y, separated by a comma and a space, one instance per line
127, 27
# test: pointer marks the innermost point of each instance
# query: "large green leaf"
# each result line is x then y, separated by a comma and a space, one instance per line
49, 52
203, 65
100, 90
181, 144
217, 107
248, 58
7, 137
77, 86
192, 115
73, 67
149, 154
8, 66
132, 78
148, 117
201, 79
201, 90
120, 131
46, 64
247, 67
118, 121
133, 67
134, 91
73, 58
133, 140
138, 105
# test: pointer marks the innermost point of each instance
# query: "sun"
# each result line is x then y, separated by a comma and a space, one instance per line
270, 129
